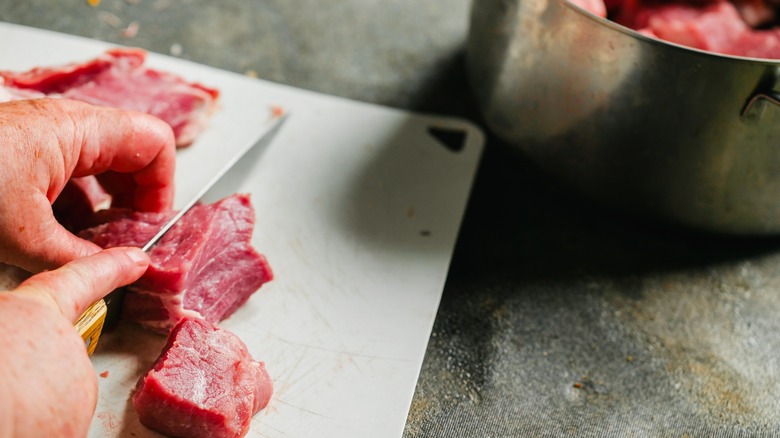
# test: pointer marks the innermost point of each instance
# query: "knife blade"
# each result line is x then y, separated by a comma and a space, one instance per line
114, 299
259, 146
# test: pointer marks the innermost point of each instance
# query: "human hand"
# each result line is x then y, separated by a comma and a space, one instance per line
48, 386
45, 142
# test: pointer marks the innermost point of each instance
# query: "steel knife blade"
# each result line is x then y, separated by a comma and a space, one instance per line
259, 147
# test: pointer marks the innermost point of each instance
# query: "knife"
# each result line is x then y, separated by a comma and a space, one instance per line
258, 147
105, 313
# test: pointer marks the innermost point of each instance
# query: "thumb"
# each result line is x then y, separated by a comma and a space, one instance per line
75, 286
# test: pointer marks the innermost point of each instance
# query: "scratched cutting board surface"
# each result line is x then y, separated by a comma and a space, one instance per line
358, 208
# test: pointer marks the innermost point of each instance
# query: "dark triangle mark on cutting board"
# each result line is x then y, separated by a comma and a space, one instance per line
452, 139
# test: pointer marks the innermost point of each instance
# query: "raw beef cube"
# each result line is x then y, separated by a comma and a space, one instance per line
119, 79
203, 267
204, 384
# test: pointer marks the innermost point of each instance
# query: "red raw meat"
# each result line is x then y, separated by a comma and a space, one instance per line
718, 26
204, 384
203, 267
713, 27
758, 44
59, 79
119, 79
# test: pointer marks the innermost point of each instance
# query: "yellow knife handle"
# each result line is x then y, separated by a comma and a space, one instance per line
90, 325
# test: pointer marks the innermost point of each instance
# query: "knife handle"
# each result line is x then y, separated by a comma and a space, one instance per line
90, 325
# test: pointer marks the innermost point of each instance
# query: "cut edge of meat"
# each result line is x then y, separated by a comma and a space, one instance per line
215, 278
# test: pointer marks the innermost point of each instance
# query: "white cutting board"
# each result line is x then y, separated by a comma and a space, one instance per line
358, 209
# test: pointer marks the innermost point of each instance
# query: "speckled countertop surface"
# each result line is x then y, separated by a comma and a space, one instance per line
558, 318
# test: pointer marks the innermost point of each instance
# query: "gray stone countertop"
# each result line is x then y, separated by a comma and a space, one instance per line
558, 317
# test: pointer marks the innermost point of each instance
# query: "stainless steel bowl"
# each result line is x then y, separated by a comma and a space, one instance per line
678, 134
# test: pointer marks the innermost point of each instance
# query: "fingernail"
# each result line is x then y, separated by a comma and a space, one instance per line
139, 257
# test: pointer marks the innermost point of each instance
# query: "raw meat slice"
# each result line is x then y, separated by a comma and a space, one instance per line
203, 267
204, 384
118, 78
58, 79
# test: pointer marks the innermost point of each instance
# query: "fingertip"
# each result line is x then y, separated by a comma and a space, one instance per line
127, 263
164, 131
150, 130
